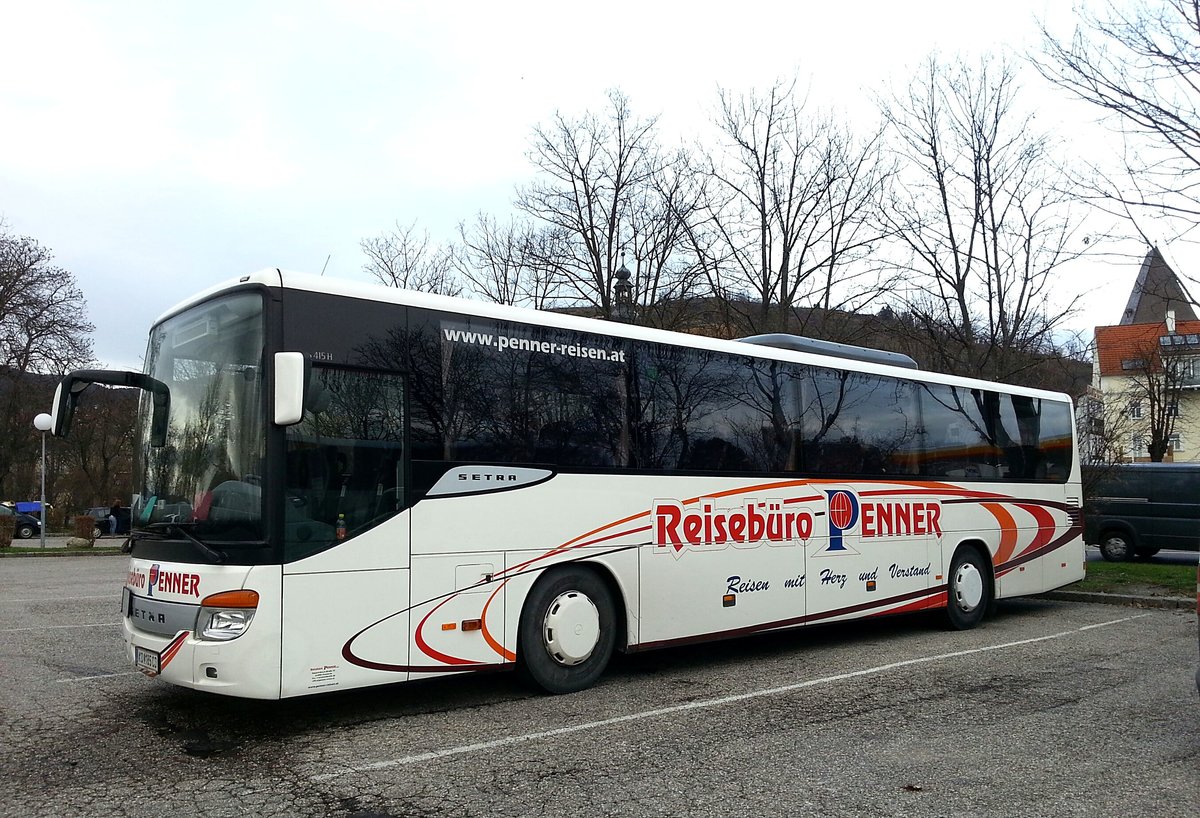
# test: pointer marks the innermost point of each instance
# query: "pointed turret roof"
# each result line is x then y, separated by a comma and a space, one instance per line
1157, 290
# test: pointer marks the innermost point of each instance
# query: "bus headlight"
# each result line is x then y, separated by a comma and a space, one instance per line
226, 615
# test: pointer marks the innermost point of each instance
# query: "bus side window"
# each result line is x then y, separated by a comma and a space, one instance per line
857, 423
345, 462
1055, 440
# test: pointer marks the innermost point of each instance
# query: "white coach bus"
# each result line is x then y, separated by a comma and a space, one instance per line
341, 485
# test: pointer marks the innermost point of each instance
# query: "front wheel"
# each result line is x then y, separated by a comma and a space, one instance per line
567, 630
1116, 547
24, 532
969, 590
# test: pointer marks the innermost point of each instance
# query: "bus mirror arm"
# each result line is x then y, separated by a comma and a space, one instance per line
73, 385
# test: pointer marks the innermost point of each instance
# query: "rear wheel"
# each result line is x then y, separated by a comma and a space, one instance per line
1115, 546
969, 590
97, 533
567, 630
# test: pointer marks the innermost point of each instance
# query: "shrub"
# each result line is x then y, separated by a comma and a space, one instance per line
83, 527
6, 531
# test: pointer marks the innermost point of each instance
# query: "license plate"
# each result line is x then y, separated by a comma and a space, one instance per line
146, 660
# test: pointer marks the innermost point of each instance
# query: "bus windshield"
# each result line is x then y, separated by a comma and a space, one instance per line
207, 478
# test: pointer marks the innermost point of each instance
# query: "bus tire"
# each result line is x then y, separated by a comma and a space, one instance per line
1115, 546
968, 589
567, 630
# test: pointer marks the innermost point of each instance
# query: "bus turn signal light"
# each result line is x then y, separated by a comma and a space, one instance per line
231, 599
472, 624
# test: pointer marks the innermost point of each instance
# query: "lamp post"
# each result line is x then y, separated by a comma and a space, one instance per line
42, 423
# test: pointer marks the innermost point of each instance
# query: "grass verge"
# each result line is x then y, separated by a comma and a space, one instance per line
17, 550
1138, 577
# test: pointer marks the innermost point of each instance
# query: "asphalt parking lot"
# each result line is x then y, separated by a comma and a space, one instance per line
1051, 708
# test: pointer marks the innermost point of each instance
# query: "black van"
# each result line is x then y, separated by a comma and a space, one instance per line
1135, 509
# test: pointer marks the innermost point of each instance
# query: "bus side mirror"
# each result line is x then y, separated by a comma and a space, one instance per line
161, 397
291, 381
61, 412
72, 386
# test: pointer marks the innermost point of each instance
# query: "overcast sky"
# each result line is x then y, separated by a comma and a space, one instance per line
159, 148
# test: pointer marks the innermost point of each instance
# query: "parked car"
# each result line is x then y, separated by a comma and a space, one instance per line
100, 514
25, 526
1136, 509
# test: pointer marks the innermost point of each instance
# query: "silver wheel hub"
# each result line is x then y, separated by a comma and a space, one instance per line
968, 587
571, 629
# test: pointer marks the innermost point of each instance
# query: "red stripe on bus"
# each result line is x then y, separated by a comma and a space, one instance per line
169, 652
1046, 526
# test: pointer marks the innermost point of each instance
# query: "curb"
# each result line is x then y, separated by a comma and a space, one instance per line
60, 552
1168, 602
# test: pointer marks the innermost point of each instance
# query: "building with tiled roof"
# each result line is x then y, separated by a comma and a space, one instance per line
1151, 362
1122, 348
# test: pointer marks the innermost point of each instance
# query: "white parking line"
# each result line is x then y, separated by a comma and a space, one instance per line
700, 705
60, 627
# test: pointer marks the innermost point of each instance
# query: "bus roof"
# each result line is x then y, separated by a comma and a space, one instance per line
274, 277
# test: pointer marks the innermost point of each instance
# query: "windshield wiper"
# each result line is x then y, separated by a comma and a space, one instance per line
182, 528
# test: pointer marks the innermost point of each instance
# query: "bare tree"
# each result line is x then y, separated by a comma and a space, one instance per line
1153, 385
794, 209
979, 208
503, 263
667, 275
43, 317
1140, 65
604, 191
406, 258
43, 329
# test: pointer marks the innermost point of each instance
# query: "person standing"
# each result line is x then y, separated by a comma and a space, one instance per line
113, 513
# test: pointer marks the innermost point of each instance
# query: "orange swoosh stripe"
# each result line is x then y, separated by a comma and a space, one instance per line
1008, 531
